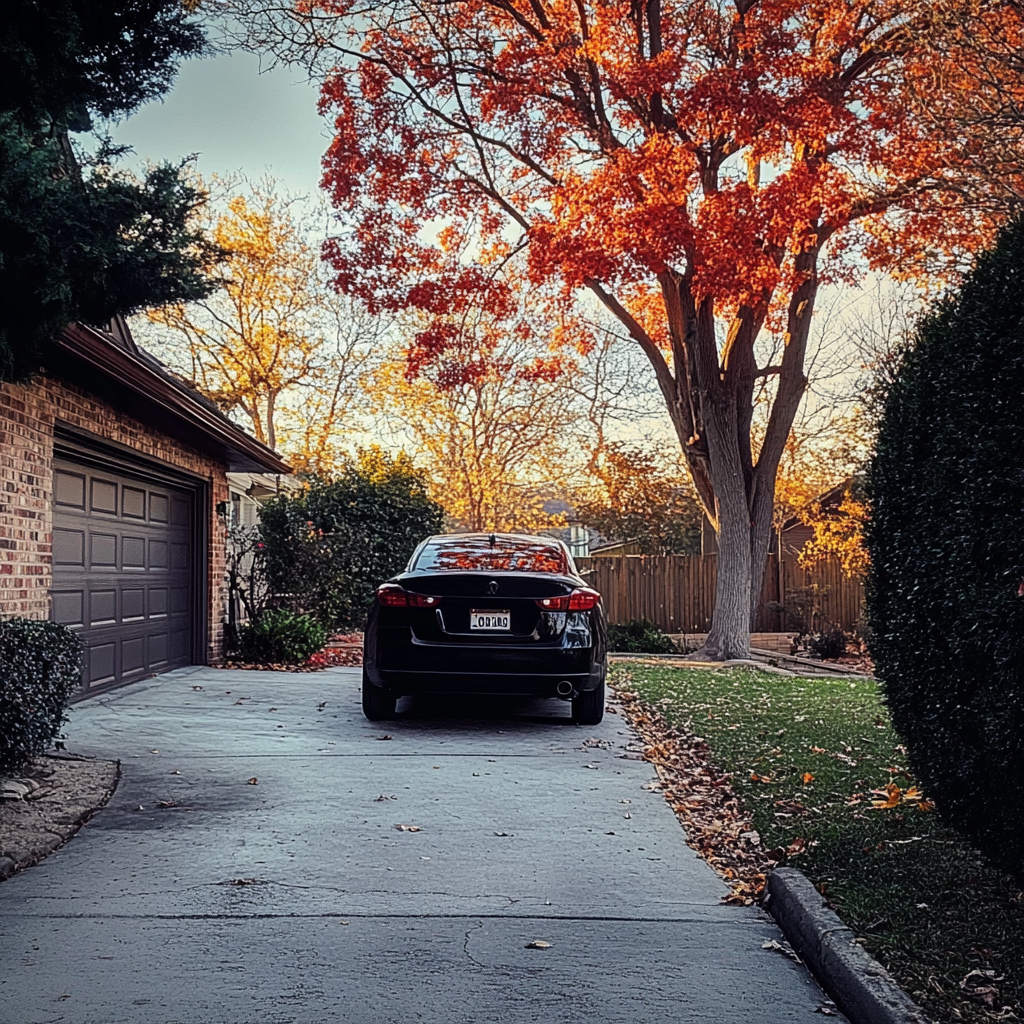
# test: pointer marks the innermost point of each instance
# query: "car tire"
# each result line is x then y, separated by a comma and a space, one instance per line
588, 707
378, 703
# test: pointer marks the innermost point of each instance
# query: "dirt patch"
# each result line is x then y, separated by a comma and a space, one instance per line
64, 792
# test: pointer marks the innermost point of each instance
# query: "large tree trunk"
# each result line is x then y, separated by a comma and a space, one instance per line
710, 398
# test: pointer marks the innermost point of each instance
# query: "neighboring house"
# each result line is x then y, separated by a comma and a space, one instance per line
113, 496
616, 549
794, 534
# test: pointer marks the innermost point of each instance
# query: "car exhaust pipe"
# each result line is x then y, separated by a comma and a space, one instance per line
565, 690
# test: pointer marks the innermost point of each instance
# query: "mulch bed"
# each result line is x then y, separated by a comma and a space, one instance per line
64, 792
703, 801
343, 649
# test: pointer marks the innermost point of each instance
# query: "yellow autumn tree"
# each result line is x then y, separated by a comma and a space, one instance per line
825, 452
489, 443
275, 346
507, 423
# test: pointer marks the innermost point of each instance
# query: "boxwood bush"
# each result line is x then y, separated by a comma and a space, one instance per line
946, 538
40, 667
279, 635
639, 636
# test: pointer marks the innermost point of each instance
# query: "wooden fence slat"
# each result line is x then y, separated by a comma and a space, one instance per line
677, 592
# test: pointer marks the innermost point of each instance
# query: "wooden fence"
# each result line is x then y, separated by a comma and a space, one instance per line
677, 592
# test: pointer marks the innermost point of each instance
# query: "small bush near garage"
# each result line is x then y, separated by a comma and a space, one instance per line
329, 546
40, 667
639, 636
281, 636
946, 539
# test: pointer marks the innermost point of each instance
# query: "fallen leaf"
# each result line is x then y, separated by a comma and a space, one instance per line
254, 781
818, 750
808, 778
890, 797
538, 944
782, 947
408, 828
980, 986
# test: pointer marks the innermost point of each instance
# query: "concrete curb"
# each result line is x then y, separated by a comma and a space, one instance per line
861, 987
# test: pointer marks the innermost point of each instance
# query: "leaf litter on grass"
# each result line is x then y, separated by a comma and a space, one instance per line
918, 897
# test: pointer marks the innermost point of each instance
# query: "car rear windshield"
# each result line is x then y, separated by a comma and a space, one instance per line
469, 553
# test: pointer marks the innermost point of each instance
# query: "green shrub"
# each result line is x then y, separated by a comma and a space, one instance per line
279, 635
829, 643
40, 667
946, 540
639, 636
328, 547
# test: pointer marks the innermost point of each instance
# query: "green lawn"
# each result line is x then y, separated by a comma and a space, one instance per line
804, 756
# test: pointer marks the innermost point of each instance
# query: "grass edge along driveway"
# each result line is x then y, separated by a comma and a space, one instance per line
763, 769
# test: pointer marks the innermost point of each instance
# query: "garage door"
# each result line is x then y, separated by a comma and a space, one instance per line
122, 572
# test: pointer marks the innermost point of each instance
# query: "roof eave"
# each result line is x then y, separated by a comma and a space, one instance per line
243, 452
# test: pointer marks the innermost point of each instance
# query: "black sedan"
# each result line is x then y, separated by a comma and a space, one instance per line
485, 613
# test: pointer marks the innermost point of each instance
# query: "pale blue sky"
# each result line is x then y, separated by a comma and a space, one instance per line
237, 119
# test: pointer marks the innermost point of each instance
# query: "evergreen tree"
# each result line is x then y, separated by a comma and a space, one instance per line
80, 240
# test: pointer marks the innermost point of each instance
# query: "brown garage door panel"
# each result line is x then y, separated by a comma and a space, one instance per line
122, 567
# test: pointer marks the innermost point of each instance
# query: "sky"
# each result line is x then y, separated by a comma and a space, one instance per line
236, 119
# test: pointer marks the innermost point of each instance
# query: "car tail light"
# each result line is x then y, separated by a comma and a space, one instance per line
391, 595
580, 600
583, 599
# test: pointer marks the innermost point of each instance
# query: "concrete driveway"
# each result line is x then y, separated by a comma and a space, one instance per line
275, 887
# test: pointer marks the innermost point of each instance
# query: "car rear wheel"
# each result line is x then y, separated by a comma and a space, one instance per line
588, 707
378, 703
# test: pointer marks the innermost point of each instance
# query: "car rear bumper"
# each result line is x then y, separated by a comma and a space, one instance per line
498, 684
406, 666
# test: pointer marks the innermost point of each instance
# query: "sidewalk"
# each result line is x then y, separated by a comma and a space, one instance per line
274, 885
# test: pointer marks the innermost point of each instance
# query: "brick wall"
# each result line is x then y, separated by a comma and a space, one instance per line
27, 417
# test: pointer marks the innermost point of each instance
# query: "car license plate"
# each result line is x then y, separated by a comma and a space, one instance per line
492, 618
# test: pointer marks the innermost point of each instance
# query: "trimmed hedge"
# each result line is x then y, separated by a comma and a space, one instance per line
946, 540
40, 667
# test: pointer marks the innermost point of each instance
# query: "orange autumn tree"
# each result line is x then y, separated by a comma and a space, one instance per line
699, 167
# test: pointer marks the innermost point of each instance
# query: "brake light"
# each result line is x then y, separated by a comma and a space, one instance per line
583, 599
391, 595
580, 600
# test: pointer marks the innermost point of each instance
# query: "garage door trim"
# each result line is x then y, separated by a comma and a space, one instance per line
99, 453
